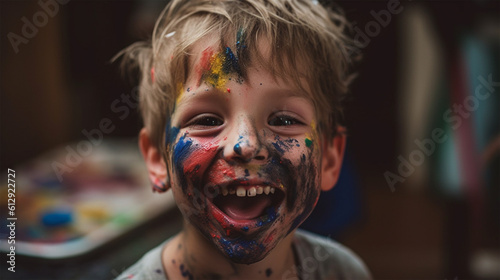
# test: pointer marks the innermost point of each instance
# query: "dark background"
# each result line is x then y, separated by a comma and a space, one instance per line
62, 81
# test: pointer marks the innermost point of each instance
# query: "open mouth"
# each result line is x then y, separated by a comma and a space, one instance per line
248, 202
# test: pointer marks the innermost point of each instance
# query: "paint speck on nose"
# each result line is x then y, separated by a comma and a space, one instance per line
237, 149
229, 90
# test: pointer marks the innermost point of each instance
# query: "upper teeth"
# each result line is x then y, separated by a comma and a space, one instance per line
252, 191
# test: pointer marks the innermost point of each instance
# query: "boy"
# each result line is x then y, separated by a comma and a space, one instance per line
241, 103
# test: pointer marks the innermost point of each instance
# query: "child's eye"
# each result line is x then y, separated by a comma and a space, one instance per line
283, 120
206, 121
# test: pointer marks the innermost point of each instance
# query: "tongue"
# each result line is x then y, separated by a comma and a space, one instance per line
244, 208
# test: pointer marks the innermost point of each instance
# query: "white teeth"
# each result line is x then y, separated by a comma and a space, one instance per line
267, 189
240, 191
252, 192
260, 190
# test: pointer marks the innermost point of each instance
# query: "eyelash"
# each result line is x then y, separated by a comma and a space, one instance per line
206, 121
283, 119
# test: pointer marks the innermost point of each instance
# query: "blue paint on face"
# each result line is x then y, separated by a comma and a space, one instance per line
271, 215
282, 145
241, 249
245, 228
181, 152
237, 149
312, 193
185, 273
278, 148
231, 65
247, 173
170, 133
237, 146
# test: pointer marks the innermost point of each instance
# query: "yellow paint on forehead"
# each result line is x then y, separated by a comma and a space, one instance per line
216, 75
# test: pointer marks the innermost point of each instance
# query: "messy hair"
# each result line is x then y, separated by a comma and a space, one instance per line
306, 42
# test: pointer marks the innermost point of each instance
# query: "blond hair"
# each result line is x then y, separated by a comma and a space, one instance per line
306, 40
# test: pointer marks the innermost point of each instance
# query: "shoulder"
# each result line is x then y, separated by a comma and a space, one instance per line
149, 267
320, 257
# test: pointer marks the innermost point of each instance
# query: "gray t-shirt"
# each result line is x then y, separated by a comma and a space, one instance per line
319, 257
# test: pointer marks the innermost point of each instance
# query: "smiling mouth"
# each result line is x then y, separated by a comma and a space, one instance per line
247, 202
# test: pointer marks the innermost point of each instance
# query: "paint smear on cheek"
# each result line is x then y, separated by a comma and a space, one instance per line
221, 171
283, 145
309, 195
298, 174
310, 138
201, 155
190, 159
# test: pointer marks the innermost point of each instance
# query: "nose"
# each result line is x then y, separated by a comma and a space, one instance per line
244, 144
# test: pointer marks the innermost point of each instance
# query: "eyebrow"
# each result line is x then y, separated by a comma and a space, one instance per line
200, 94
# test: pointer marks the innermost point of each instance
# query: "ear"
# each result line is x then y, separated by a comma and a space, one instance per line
333, 153
157, 168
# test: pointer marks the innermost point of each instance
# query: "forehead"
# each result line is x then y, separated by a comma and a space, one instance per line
259, 67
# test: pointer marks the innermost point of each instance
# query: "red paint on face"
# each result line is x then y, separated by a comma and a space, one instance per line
221, 219
221, 171
270, 238
204, 63
202, 155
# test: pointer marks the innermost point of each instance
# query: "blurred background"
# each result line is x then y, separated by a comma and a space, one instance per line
419, 193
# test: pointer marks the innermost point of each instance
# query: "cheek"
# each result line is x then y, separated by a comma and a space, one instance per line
190, 159
297, 166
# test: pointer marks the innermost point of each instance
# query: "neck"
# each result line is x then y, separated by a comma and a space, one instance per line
192, 256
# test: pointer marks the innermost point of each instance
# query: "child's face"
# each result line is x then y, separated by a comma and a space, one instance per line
245, 155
